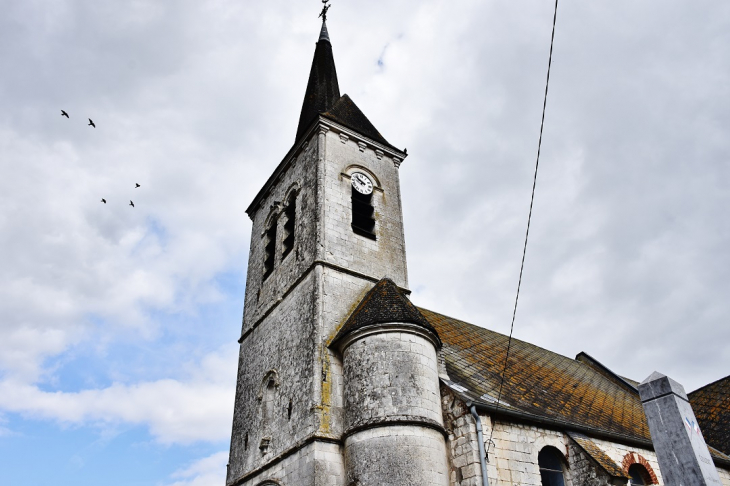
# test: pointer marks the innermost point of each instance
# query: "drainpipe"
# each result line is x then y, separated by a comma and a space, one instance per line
480, 439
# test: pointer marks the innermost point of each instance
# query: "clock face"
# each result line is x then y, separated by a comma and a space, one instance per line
362, 183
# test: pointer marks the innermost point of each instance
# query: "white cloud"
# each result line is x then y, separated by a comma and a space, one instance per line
198, 102
208, 471
199, 408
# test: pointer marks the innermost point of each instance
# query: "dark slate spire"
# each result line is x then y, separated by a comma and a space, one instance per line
323, 34
346, 112
382, 305
322, 89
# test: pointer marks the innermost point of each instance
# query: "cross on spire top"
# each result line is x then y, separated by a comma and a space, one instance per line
323, 13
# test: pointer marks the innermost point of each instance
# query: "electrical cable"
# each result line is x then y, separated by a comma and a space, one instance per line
527, 233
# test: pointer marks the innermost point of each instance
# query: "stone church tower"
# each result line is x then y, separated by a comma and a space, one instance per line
337, 378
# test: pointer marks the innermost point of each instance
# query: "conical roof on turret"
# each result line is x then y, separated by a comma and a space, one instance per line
384, 304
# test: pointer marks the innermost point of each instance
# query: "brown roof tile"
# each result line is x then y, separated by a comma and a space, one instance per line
711, 405
543, 384
598, 455
538, 382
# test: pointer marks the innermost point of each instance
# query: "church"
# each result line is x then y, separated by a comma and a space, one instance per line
343, 381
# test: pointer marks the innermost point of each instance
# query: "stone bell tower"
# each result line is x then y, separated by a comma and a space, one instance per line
327, 226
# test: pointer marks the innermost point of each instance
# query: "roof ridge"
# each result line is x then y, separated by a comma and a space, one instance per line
710, 384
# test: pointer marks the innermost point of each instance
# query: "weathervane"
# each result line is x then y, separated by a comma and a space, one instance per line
326, 7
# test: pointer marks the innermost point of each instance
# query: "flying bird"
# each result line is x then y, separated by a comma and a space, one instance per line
136, 185
131, 203
103, 200
91, 123
63, 113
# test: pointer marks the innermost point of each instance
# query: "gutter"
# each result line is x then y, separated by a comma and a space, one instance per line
591, 431
480, 439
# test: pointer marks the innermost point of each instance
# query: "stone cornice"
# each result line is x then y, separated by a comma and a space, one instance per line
386, 328
401, 420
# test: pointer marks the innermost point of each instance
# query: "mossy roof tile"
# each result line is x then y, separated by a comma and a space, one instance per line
545, 384
711, 405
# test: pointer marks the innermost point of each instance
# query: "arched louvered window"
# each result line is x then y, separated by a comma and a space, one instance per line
550, 461
290, 213
270, 248
363, 212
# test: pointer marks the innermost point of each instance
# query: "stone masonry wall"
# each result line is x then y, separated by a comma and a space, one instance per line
262, 295
516, 446
584, 471
386, 256
340, 295
392, 411
396, 456
391, 376
618, 453
282, 347
319, 463
462, 446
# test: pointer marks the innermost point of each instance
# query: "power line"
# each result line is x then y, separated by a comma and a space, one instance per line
527, 233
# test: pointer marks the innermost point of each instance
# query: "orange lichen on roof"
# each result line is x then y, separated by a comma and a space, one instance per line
711, 405
538, 382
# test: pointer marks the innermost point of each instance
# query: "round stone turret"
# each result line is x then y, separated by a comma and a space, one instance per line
393, 423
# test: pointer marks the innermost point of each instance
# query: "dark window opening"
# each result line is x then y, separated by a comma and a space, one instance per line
638, 475
551, 467
270, 249
245, 442
290, 213
288, 411
363, 214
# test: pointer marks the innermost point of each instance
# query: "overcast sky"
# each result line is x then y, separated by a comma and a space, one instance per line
118, 325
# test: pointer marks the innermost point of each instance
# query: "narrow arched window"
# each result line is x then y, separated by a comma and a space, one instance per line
290, 213
270, 248
639, 475
268, 407
363, 212
268, 396
550, 461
